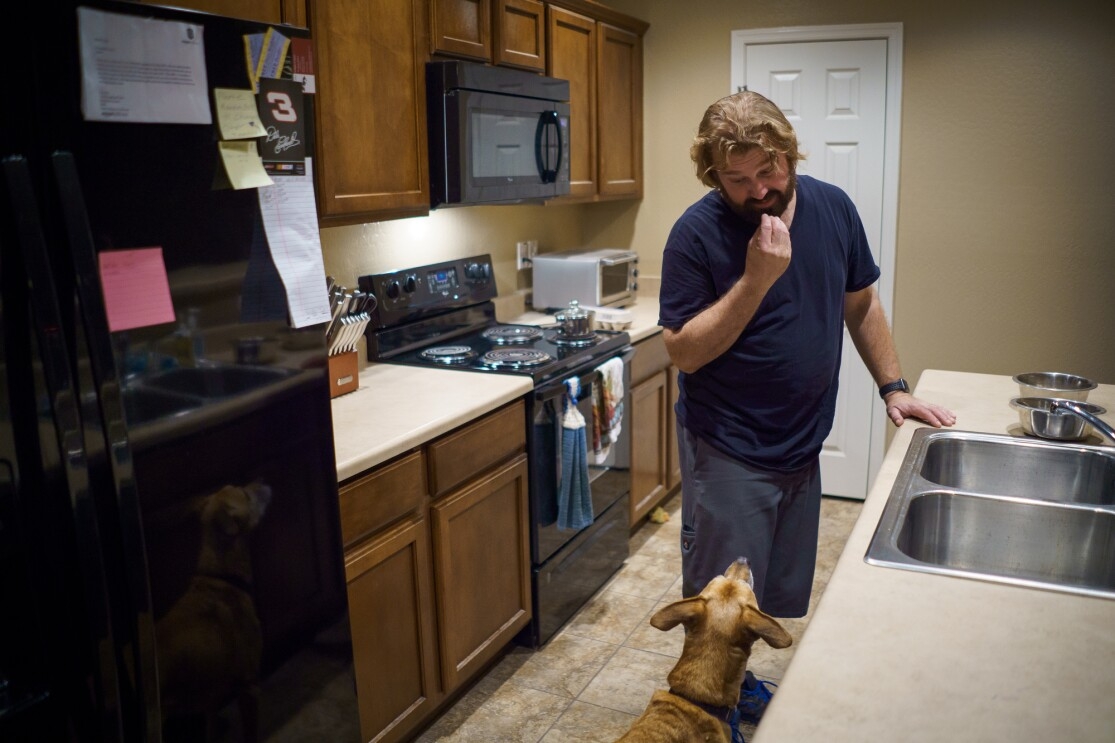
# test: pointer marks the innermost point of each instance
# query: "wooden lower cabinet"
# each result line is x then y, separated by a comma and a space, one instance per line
655, 469
648, 445
673, 463
391, 613
438, 568
481, 569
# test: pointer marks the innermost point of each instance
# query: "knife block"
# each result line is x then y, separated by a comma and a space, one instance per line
344, 374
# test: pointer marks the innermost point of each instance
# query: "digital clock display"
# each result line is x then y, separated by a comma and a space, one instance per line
442, 280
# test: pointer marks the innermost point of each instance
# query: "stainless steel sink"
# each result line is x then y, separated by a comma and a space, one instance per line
1021, 467
1004, 509
142, 405
216, 381
175, 392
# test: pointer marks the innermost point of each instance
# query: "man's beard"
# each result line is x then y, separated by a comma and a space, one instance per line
752, 209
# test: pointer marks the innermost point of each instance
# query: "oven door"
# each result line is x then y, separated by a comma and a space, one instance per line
609, 479
502, 149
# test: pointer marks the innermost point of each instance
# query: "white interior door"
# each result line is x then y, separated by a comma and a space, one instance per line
835, 93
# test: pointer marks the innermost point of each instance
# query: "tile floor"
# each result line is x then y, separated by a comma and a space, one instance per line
595, 677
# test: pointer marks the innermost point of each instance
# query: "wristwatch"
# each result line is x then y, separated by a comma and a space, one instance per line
895, 386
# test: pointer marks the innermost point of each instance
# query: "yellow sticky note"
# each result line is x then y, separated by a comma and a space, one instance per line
237, 114
243, 164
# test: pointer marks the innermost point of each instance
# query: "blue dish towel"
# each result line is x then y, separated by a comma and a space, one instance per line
574, 496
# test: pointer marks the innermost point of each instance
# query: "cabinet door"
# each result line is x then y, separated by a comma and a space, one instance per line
391, 610
461, 28
648, 445
371, 160
482, 569
519, 34
571, 55
619, 95
673, 465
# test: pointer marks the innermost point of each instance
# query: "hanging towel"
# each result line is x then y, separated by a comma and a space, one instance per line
607, 408
574, 497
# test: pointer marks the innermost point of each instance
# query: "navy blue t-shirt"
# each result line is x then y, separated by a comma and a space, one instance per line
769, 400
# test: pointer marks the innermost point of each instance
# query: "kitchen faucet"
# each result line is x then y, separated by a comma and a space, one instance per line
1061, 406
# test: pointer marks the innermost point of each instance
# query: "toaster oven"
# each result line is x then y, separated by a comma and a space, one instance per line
600, 278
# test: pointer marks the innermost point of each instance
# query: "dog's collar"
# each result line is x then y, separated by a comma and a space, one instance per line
729, 715
233, 580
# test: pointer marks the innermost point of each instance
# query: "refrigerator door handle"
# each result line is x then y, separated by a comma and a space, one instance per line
62, 397
103, 366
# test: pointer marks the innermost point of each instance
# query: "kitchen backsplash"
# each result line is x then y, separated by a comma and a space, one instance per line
350, 252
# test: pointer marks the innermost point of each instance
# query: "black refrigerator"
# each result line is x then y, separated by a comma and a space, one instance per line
171, 560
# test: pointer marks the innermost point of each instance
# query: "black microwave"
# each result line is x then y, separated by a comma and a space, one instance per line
496, 135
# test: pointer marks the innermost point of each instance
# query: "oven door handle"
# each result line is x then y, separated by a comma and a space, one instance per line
557, 389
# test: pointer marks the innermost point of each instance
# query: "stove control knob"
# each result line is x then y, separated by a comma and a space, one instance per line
478, 271
393, 289
410, 283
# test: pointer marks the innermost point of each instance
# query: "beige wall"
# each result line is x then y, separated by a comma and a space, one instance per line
1005, 250
1006, 227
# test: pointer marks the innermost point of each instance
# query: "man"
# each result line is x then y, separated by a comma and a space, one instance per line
758, 279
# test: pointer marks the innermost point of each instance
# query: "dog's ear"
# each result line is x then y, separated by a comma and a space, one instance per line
767, 627
679, 612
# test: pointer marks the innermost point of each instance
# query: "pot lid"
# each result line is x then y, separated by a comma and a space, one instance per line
573, 312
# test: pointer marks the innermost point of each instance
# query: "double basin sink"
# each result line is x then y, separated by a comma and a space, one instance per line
998, 508
178, 391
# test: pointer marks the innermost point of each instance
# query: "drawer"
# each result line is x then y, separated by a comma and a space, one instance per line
650, 358
470, 450
386, 494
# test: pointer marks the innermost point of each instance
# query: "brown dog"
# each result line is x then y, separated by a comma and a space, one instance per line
209, 643
721, 625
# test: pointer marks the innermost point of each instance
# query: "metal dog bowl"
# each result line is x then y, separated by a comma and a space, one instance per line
1054, 384
1037, 417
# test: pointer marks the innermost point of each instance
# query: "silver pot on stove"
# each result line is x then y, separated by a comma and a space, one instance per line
575, 322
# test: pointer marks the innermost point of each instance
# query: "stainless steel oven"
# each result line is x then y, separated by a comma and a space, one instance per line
442, 315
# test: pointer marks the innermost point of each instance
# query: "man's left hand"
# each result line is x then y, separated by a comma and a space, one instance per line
903, 405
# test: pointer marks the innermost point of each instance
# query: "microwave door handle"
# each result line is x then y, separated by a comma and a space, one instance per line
545, 121
556, 122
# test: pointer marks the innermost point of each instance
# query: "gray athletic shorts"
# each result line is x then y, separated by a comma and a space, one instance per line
730, 509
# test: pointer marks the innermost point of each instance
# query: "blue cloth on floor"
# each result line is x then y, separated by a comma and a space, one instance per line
574, 496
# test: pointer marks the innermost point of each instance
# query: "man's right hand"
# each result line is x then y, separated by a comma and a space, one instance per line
768, 253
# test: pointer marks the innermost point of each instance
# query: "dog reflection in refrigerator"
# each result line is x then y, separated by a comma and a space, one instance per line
209, 642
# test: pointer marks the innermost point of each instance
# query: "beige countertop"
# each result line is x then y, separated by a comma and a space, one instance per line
895, 655
397, 408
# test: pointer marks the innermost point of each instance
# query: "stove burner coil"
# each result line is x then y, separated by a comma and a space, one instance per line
514, 358
578, 341
448, 354
507, 334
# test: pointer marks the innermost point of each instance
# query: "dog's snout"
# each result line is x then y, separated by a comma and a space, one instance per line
740, 570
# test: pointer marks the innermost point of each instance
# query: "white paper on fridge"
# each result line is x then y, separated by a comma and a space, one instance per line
142, 70
290, 221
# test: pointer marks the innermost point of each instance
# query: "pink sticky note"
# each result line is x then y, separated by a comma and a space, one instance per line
135, 286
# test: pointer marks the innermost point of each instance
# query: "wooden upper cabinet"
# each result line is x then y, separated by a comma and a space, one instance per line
369, 58
461, 28
292, 12
619, 95
571, 55
519, 34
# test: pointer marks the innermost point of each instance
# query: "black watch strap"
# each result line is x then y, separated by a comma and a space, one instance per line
895, 386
